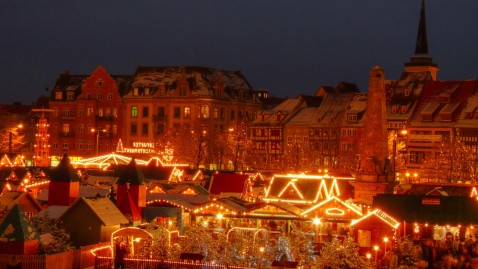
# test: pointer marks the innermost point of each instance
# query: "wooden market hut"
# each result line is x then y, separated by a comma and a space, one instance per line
91, 221
371, 229
226, 185
428, 209
25, 200
17, 233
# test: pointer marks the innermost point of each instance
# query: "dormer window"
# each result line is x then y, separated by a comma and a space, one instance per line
58, 95
394, 108
404, 109
352, 118
70, 95
146, 91
135, 91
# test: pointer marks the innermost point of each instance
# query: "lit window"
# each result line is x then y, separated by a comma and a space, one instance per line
205, 112
89, 111
134, 111
66, 128
187, 112
58, 95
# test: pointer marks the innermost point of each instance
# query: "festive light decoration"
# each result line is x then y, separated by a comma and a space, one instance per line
103, 162
323, 192
334, 211
382, 215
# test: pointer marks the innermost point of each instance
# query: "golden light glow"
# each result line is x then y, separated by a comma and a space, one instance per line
381, 215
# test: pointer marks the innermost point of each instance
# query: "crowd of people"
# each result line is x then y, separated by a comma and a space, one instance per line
451, 252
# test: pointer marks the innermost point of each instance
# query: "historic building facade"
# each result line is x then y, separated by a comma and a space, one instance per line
86, 114
196, 98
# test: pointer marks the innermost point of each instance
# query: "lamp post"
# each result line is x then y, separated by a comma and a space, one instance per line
10, 137
97, 131
376, 250
261, 251
317, 235
385, 240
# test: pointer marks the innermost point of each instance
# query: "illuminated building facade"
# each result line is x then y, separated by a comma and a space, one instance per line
162, 98
87, 114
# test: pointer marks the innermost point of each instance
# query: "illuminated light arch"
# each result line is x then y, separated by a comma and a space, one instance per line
130, 232
244, 230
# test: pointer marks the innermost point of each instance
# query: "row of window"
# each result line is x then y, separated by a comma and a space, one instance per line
81, 146
88, 111
185, 112
66, 128
70, 95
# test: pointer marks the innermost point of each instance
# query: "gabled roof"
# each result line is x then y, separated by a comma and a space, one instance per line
334, 208
303, 189
103, 208
380, 215
228, 183
12, 198
16, 227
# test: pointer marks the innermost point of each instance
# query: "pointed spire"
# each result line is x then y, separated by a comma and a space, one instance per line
131, 174
421, 61
422, 40
64, 171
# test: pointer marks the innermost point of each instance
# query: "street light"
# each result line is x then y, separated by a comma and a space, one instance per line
261, 250
97, 131
376, 250
317, 235
385, 240
10, 137
394, 151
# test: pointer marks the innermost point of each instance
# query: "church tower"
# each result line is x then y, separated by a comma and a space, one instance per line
375, 174
421, 61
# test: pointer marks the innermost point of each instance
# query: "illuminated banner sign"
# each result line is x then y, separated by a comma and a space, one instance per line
138, 147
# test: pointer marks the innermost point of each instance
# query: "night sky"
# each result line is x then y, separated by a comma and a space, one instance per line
287, 47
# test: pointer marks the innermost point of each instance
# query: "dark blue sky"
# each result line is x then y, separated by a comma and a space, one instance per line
286, 47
